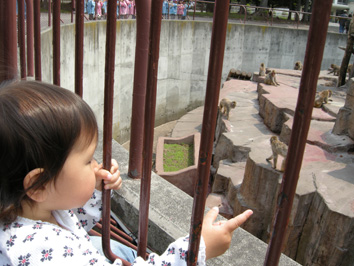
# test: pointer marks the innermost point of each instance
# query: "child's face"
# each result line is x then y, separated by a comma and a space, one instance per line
76, 181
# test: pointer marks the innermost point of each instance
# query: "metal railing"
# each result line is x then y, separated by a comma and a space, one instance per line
148, 72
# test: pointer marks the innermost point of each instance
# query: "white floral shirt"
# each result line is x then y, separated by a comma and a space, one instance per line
27, 242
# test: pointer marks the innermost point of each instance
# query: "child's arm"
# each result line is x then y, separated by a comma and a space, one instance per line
217, 236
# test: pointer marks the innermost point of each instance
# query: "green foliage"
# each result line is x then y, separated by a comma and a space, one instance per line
177, 156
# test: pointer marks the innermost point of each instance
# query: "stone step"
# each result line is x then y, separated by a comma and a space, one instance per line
219, 200
228, 179
320, 134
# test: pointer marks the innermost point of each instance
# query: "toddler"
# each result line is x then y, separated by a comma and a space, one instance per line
50, 185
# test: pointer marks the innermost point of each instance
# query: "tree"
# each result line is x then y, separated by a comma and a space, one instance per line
306, 17
298, 8
346, 58
264, 3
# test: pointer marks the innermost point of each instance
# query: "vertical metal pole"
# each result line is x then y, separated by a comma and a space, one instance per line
56, 43
29, 24
8, 43
22, 37
107, 126
150, 106
79, 47
72, 10
216, 58
49, 13
37, 39
143, 8
302, 119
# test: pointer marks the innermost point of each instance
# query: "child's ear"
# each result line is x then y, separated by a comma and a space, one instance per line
38, 194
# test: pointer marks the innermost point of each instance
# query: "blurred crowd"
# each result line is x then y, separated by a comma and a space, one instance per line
171, 9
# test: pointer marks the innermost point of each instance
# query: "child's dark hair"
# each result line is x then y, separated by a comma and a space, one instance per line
39, 125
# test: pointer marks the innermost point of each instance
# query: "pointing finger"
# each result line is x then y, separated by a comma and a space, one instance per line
236, 222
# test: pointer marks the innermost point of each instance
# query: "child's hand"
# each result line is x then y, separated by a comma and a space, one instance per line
217, 236
112, 179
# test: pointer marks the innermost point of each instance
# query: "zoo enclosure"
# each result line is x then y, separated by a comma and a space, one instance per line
146, 74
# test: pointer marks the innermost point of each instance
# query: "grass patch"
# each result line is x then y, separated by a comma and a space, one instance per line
177, 156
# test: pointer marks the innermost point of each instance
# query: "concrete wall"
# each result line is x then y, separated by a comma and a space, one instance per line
183, 64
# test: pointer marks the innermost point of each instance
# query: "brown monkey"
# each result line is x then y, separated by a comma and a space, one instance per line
271, 79
278, 148
334, 69
298, 65
262, 70
225, 107
323, 97
350, 67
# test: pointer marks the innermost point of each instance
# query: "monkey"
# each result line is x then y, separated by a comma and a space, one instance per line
262, 70
298, 65
334, 69
350, 67
278, 148
225, 107
271, 79
323, 97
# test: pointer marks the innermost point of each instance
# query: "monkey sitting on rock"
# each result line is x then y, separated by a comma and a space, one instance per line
278, 148
334, 69
298, 65
225, 106
262, 70
323, 97
271, 79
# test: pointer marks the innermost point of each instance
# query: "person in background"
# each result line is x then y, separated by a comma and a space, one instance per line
104, 9
186, 6
99, 5
165, 9
342, 21
123, 9
180, 9
132, 9
173, 9
91, 9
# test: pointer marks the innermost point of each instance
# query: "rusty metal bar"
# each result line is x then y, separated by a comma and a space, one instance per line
8, 43
116, 234
22, 37
79, 47
150, 106
56, 43
302, 119
29, 24
49, 13
37, 40
107, 126
217, 48
143, 8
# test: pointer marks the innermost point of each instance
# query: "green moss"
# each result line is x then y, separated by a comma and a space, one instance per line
177, 156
